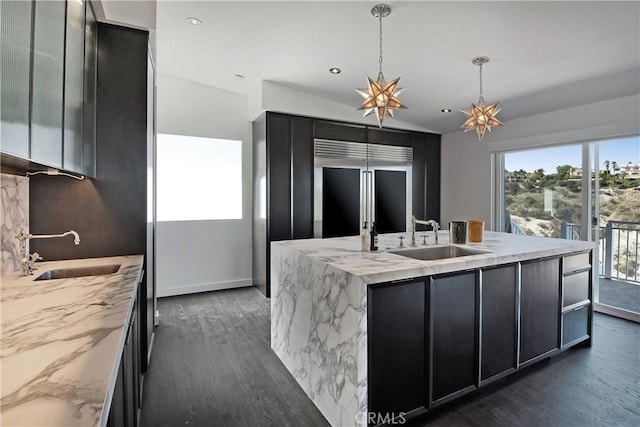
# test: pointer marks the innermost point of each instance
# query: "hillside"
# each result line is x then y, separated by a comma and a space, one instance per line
526, 204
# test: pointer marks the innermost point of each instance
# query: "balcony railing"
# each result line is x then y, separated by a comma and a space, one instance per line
619, 251
570, 231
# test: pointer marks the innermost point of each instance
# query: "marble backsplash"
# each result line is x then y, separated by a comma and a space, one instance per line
14, 211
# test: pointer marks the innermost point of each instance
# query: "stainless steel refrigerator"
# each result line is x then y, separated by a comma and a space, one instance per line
357, 183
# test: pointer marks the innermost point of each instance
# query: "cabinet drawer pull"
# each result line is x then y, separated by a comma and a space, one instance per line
579, 308
577, 271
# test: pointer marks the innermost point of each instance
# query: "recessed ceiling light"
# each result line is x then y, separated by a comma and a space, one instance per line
335, 70
194, 21
445, 110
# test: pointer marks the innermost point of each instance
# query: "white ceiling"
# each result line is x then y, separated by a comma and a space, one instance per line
545, 56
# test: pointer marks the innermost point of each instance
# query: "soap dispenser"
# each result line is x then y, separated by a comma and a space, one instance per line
374, 238
364, 238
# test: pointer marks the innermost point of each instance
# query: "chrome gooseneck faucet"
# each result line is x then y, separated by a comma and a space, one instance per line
432, 222
28, 260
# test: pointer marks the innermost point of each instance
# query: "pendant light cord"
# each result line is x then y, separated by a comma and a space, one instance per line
380, 59
481, 80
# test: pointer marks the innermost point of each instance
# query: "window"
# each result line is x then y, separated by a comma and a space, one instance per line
198, 178
543, 192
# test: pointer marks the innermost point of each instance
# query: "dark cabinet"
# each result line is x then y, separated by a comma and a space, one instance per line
539, 308
302, 177
498, 332
117, 410
434, 339
339, 131
576, 325
279, 177
453, 335
577, 309
125, 400
396, 344
284, 177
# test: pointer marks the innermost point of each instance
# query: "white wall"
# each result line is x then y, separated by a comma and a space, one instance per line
465, 177
196, 256
466, 163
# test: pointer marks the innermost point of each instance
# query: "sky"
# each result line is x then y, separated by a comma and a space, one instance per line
622, 151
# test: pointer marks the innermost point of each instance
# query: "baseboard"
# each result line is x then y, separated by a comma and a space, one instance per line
617, 312
205, 287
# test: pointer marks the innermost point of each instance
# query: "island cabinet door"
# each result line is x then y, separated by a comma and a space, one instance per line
498, 323
539, 309
453, 332
396, 342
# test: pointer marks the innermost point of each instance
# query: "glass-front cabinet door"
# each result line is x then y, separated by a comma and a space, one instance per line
48, 82
15, 57
74, 85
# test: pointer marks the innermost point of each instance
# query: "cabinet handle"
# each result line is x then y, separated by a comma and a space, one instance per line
577, 271
579, 308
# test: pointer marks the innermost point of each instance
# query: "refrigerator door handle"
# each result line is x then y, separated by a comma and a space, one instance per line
371, 204
364, 199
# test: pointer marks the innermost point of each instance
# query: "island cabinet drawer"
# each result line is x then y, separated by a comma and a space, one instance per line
575, 262
575, 324
576, 288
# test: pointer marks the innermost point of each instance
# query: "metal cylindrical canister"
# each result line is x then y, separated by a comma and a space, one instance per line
458, 231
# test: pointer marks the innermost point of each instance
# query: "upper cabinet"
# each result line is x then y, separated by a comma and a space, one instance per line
90, 79
48, 84
74, 86
15, 56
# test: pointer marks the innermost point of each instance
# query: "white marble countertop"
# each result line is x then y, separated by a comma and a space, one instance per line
344, 253
62, 341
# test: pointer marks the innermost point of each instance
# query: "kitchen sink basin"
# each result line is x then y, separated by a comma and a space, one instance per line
438, 252
66, 273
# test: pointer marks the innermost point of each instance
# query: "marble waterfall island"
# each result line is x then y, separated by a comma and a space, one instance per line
319, 311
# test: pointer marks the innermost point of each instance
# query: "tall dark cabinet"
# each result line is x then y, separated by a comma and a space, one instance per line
396, 343
453, 335
498, 322
110, 211
284, 178
540, 309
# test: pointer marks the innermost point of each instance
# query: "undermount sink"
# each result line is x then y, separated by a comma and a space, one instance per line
67, 273
438, 252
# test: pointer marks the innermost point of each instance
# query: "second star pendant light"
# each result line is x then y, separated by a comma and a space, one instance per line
481, 116
379, 96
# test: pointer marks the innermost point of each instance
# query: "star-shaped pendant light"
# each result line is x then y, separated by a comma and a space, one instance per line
379, 96
481, 116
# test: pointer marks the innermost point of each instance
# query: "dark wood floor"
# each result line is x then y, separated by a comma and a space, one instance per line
212, 366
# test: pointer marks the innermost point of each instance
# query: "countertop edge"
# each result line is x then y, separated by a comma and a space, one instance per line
385, 266
115, 367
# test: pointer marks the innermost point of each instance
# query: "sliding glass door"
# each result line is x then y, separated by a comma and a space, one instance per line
616, 225
588, 191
